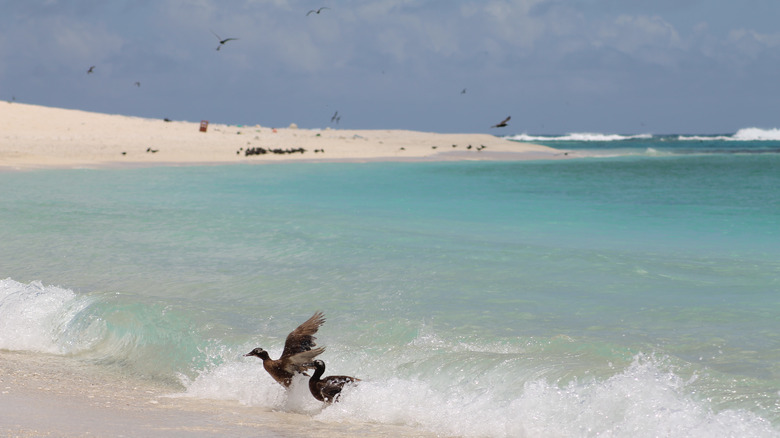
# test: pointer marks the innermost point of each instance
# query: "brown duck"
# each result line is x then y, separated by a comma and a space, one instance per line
297, 354
327, 389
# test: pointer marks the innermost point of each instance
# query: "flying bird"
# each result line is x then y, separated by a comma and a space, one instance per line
137, 84
335, 116
463, 92
317, 11
503, 123
297, 354
91, 70
222, 41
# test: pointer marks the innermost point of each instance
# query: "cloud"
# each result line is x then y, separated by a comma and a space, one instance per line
751, 43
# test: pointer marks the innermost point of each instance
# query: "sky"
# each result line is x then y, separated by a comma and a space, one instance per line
554, 66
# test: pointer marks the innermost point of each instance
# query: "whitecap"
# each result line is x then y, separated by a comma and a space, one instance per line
580, 136
757, 134
34, 317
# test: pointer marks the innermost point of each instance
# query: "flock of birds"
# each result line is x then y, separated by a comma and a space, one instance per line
298, 356
278, 151
336, 118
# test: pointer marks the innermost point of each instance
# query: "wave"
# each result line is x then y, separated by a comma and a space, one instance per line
34, 317
143, 339
582, 136
745, 134
493, 393
432, 381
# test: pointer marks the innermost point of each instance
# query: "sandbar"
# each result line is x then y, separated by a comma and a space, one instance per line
39, 137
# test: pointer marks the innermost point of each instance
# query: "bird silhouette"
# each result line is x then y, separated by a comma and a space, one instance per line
137, 84
335, 116
503, 123
91, 70
222, 41
463, 92
316, 11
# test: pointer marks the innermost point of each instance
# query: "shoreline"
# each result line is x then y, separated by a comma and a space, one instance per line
37, 137
48, 395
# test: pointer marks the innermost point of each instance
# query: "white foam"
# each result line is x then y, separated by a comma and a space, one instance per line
646, 398
757, 134
34, 317
705, 138
246, 381
580, 136
744, 134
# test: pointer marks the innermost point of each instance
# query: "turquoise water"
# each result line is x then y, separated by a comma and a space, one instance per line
634, 295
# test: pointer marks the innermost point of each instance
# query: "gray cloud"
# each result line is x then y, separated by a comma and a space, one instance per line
398, 63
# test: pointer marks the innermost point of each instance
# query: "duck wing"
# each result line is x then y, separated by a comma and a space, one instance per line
302, 338
300, 362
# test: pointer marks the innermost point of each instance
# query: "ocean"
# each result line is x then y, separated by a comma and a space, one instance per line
632, 291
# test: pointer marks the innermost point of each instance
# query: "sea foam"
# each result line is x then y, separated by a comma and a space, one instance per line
744, 134
34, 317
580, 136
646, 398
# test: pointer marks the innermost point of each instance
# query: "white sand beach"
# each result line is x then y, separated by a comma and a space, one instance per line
33, 136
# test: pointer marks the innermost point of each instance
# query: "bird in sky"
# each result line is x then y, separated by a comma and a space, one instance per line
91, 70
222, 41
503, 123
335, 117
137, 84
316, 11
463, 92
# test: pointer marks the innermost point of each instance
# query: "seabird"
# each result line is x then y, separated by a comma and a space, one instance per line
137, 84
91, 70
328, 389
316, 11
334, 117
463, 92
503, 123
221, 41
297, 354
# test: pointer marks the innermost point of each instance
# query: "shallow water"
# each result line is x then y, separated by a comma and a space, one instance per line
631, 296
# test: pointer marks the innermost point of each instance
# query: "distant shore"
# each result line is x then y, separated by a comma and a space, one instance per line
36, 137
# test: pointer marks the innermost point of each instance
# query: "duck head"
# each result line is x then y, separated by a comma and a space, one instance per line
259, 352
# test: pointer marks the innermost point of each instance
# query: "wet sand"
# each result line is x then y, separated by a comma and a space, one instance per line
53, 396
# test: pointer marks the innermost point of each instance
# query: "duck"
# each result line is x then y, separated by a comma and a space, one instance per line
298, 352
328, 389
